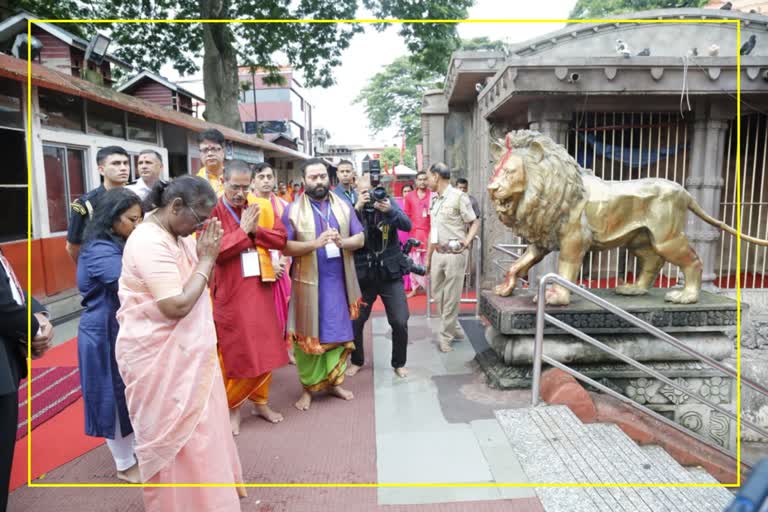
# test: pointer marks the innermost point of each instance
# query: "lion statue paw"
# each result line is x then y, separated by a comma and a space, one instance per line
557, 296
505, 289
683, 296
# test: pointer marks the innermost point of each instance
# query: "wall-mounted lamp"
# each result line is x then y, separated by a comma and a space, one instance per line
97, 48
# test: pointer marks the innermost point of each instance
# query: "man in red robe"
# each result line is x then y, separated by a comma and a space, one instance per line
250, 340
416, 207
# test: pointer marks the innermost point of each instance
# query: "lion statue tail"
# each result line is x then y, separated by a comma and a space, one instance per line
700, 213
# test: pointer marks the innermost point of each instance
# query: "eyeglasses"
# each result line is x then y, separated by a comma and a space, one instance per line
236, 188
200, 222
210, 149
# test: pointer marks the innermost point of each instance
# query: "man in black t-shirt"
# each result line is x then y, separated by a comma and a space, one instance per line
115, 168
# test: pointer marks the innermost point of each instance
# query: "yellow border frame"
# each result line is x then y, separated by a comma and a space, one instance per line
393, 484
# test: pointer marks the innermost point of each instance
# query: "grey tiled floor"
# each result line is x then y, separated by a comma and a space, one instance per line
415, 443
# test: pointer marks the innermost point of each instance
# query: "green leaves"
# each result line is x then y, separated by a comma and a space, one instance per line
593, 9
391, 157
392, 97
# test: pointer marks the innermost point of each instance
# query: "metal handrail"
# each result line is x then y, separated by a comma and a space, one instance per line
538, 357
507, 249
476, 242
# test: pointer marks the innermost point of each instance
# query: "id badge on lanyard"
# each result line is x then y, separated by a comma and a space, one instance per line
250, 263
331, 249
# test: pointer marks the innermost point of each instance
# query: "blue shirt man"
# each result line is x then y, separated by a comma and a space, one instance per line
346, 173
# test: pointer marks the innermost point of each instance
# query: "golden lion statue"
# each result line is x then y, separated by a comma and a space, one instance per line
540, 192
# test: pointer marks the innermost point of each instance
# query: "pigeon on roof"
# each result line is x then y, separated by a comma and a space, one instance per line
646, 52
747, 47
622, 49
713, 50
726, 6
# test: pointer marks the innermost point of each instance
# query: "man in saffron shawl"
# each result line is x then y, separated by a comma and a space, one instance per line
323, 232
263, 187
250, 341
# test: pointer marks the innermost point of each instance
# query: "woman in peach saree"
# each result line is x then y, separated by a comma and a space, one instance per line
166, 353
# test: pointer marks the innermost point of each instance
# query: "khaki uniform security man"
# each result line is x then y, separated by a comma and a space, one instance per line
449, 241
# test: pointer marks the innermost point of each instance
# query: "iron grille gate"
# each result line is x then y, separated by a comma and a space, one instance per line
622, 146
754, 204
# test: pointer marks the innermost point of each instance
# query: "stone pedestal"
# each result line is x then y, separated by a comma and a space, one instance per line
703, 326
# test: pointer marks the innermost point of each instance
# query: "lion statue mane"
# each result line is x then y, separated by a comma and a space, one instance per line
553, 187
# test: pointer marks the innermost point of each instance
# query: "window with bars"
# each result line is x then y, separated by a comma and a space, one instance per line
13, 179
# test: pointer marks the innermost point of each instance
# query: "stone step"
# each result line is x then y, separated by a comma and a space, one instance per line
617, 453
542, 464
568, 438
721, 494
709, 498
553, 446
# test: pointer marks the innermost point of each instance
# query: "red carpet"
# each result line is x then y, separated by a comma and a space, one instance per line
53, 389
58, 437
418, 305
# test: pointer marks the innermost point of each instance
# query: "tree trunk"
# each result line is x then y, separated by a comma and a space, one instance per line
220, 78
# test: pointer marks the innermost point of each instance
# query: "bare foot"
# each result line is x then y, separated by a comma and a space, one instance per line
340, 392
445, 346
234, 420
268, 414
291, 359
352, 370
401, 372
413, 293
304, 401
130, 475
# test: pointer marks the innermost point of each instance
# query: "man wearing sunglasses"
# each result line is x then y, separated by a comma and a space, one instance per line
251, 342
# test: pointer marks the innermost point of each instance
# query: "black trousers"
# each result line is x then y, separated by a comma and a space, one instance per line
9, 416
392, 294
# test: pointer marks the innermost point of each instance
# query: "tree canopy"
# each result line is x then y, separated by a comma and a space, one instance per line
594, 9
313, 48
391, 157
392, 97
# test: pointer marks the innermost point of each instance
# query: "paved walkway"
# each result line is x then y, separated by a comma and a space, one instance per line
437, 425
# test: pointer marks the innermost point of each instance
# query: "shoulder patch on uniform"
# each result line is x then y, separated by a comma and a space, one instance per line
78, 208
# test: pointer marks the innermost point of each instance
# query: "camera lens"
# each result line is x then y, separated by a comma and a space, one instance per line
378, 194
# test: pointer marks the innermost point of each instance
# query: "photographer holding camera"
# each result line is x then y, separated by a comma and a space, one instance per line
380, 267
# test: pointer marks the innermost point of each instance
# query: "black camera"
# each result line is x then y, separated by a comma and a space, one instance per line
377, 192
413, 268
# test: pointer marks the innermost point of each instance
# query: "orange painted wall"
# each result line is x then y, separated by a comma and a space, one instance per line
16, 252
52, 270
57, 268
